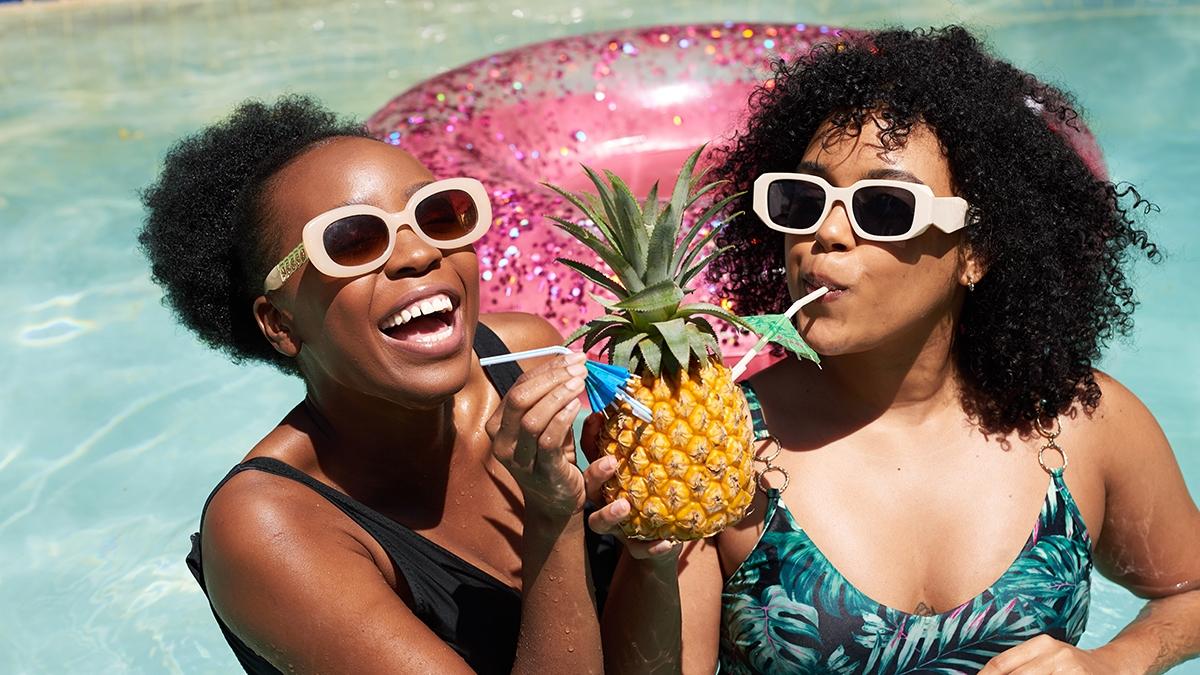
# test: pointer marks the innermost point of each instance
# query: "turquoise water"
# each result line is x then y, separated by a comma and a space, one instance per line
116, 423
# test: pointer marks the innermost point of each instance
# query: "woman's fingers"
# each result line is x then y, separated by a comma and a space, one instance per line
599, 471
607, 520
655, 549
540, 417
552, 444
506, 423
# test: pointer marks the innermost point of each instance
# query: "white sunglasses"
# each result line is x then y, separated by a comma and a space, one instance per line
879, 210
356, 239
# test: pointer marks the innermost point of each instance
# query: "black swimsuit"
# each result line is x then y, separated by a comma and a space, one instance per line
470, 610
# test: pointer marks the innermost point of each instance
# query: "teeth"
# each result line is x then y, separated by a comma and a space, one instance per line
438, 303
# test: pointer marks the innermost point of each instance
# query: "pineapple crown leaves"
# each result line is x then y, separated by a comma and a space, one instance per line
647, 326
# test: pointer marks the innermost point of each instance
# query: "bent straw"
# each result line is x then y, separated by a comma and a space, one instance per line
604, 384
741, 366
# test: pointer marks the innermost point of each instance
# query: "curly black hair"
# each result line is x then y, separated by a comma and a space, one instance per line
1055, 237
204, 233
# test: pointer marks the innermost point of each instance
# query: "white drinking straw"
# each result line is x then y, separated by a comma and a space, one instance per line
740, 368
639, 409
527, 354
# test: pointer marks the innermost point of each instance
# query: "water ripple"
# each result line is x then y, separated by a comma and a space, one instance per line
54, 332
36, 483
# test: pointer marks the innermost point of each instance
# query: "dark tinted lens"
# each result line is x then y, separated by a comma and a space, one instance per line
884, 211
446, 215
797, 204
355, 240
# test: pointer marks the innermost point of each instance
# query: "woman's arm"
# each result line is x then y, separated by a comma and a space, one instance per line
532, 437
299, 584
1149, 543
664, 605
663, 613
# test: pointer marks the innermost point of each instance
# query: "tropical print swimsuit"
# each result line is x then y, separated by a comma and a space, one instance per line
787, 609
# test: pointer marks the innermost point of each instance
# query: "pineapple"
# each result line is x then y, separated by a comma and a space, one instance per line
689, 473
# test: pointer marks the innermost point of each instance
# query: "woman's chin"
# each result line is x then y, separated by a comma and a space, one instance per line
829, 345
428, 388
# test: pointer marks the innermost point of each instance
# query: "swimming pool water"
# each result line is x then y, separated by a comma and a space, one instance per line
115, 422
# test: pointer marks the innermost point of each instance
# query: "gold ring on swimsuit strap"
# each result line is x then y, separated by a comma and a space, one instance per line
774, 455
1061, 453
769, 467
762, 474
1051, 444
1050, 434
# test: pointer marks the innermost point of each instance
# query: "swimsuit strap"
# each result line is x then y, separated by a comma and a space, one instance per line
502, 375
756, 413
761, 433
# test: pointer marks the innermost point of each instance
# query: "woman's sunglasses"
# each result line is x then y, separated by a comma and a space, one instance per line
879, 210
356, 239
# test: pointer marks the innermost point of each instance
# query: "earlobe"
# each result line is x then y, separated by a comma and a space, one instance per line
971, 268
275, 325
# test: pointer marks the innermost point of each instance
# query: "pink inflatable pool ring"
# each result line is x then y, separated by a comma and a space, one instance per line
634, 101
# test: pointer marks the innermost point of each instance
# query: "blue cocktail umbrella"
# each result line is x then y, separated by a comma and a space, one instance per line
605, 383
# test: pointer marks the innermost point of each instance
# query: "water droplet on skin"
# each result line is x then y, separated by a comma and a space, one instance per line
571, 648
567, 631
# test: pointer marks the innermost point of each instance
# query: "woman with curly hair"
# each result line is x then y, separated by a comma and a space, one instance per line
381, 526
941, 488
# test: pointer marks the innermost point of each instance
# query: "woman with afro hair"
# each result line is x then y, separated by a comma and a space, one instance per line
940, 490
382, 526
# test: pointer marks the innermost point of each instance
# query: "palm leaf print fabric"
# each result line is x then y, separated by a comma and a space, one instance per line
787, 609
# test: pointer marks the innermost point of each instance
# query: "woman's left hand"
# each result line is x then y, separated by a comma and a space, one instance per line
1044, 654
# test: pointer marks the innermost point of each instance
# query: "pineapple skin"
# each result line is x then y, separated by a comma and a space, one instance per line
690, 473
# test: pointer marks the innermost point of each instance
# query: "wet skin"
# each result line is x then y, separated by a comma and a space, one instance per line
396, 420
907, 498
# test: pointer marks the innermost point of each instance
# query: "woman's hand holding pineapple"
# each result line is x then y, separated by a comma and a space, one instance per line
608, 519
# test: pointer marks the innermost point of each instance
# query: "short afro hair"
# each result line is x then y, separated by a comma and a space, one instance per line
1055, 237
203, 232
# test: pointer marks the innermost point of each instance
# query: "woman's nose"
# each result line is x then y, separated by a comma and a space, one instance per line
412, 256
835, 232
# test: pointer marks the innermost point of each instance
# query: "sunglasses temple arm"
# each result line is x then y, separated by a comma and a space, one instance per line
528, 354
949, 213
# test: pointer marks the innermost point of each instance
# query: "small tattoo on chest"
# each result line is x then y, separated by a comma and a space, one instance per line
924, 610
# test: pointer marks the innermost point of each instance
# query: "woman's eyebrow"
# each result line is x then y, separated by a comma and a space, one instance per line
810, 167
407, 192
892, 174
412, 189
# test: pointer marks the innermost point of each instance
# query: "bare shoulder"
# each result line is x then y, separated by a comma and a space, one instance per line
1120, 430
258, 519
1148, 541
521, 331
